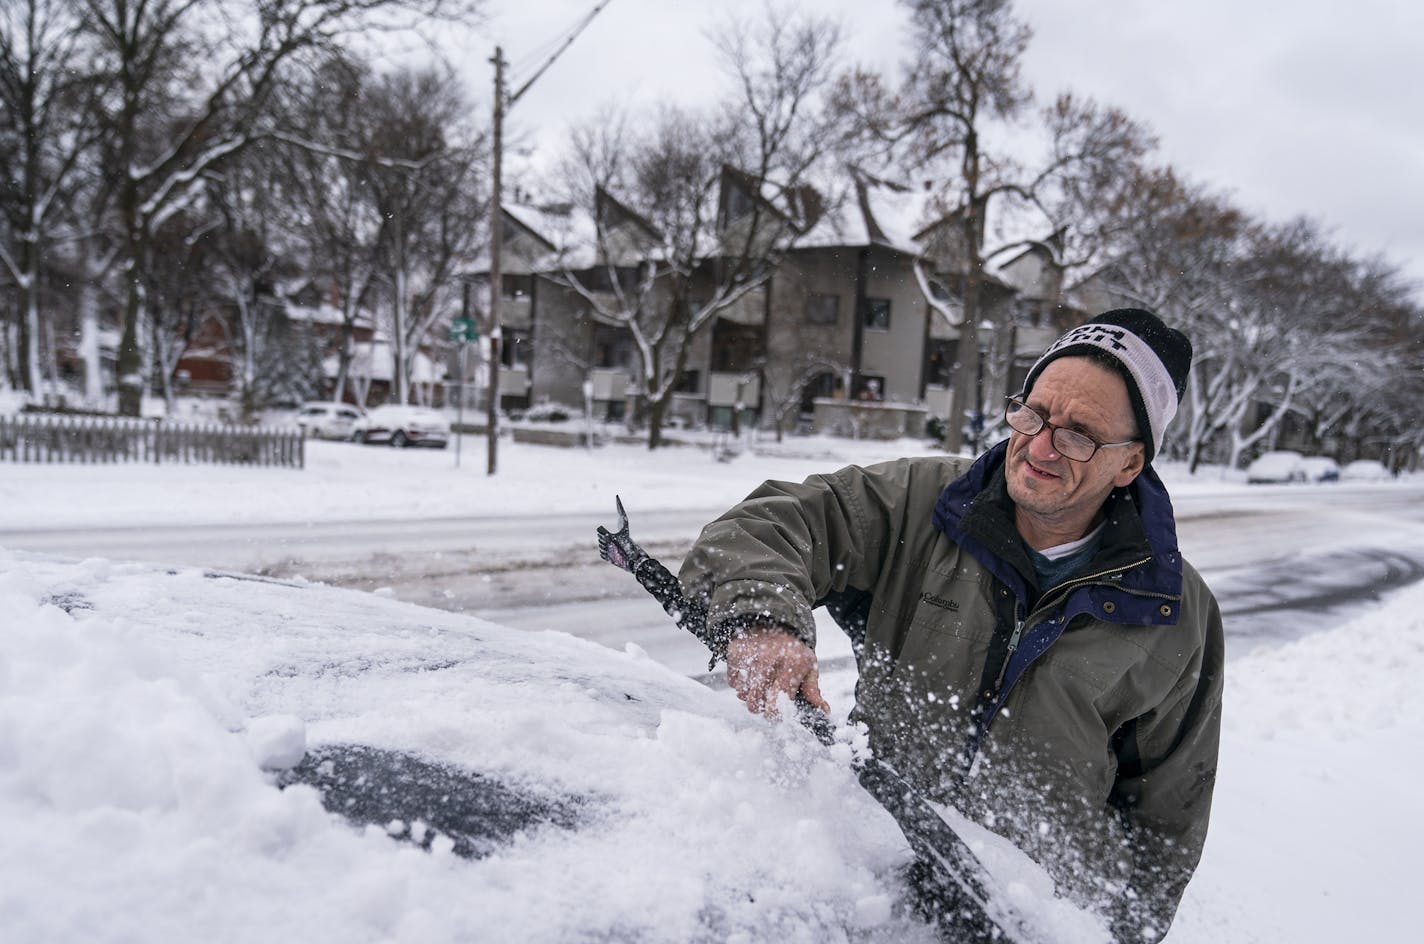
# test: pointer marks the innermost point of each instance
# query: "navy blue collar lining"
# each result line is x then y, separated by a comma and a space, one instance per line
975, 512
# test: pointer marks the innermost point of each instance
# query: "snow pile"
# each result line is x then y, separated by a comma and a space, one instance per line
142, 713
138, 710
1316, 825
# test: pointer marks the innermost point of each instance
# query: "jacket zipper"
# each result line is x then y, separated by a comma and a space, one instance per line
1020, 623
1069, 584
1008, 656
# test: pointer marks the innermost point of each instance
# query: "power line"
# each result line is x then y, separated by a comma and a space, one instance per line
559, 44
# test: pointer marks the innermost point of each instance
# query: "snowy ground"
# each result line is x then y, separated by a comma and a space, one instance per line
133, 717
344, 480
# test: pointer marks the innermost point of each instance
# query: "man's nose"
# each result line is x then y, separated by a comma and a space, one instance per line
1040, 445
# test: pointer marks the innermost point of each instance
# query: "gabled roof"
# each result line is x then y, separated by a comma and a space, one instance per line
520, 218
875, 212
613, 212
563, 229
1052, 247
878, 212
795, 206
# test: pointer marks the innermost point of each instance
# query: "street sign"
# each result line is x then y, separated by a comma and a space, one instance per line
463, 330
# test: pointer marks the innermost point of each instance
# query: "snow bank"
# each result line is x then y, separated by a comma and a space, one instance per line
1316, 825
343, 481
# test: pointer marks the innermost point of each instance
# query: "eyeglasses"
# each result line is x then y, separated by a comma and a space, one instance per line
1068, 443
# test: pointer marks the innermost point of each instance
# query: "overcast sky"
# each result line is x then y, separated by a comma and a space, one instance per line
1311, 107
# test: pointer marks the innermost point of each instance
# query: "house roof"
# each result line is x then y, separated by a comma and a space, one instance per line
873, 211
559, 227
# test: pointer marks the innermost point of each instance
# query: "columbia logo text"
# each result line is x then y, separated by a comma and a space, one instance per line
939, 601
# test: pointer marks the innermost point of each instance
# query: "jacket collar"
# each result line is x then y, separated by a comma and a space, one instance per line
975, 511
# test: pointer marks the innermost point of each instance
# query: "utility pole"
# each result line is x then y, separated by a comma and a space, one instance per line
496, 277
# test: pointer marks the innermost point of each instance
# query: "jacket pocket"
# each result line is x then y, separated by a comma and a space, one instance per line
951, 622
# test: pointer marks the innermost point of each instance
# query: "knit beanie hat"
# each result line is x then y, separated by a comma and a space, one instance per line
1152, 358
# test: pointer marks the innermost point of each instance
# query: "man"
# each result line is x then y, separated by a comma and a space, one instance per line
1032, 648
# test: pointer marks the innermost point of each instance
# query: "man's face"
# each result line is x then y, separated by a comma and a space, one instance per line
1059, 496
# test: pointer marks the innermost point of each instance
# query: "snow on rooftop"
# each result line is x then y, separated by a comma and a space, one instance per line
873, 213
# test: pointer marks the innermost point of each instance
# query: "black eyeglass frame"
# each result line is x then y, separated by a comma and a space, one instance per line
1010, 412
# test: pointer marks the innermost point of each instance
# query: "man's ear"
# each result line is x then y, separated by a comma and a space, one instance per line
1132, 466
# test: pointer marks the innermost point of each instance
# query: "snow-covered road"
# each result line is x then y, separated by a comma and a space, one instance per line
519, 550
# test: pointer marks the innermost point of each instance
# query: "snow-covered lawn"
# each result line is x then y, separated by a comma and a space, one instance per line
343, 481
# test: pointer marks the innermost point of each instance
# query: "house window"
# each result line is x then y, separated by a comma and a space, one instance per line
735, 347
739, 203
613, 347
515, 351
689, 381
600, 278
870, 387
940, 357
517, 286
822, 309
877, 313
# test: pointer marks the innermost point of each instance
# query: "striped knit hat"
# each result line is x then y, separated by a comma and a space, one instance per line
1152, 358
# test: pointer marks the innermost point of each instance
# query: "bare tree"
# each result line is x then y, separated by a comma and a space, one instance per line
328, 199
193, 80
961, 91
1175, 250
1284, 323
693, 213
431, 200
250, 254
46, 129
1375, 392
179, 288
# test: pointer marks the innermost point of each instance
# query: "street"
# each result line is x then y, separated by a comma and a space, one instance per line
1282, 560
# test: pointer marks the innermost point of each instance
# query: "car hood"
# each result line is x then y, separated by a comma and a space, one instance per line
172, 743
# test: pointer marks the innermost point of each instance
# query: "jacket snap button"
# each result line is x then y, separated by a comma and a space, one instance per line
1109, 607
1166, 610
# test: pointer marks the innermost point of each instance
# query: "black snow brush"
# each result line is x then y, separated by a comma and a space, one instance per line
952, 883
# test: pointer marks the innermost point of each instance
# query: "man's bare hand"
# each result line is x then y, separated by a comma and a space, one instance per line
765, 662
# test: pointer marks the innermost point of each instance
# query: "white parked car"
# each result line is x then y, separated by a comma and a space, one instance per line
407, 426
1364, 470
325, 420
1281, 465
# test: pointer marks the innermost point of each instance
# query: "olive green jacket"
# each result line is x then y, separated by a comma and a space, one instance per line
1081, 721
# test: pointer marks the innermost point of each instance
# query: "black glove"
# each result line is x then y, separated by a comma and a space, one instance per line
617, 547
